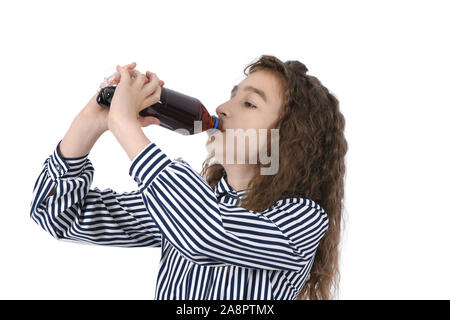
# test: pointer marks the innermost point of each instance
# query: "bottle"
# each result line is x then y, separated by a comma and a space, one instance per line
174, 110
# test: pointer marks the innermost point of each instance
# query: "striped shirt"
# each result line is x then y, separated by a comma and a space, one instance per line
211, 248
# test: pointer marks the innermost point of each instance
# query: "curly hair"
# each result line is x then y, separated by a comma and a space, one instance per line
312, 147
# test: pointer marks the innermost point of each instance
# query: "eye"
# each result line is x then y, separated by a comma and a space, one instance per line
248, 103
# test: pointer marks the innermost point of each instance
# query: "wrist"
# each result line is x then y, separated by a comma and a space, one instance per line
79, 139
91, 126
116, 120
129, 134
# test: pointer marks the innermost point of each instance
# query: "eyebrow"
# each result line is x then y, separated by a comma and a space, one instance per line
252, 89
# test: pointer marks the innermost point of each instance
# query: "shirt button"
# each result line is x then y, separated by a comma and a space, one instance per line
137, 180
57, 167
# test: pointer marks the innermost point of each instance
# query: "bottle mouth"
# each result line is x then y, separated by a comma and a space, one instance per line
217, 125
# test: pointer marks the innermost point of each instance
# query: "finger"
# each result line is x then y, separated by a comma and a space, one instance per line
153, 120
150, 87
152, 98
114, 78
148, 120
148, 75
131, 65
124, 74
160, 82
139, 79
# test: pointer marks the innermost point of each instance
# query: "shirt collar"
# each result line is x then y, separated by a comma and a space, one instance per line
224, 188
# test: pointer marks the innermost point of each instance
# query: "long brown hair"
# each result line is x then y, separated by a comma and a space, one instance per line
312, 147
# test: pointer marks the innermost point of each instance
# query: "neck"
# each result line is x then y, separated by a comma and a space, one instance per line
239, 175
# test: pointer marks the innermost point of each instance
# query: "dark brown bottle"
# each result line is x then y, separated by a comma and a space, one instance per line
174, 111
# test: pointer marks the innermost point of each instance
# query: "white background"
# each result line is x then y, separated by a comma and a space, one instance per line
386, 61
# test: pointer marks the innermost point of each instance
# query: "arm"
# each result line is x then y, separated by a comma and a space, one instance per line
77, 213
77, 142
188, 214
129, 135
63, 203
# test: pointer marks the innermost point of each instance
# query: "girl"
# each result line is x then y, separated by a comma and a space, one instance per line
229, 232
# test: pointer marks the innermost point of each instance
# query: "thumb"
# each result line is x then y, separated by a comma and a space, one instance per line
148, 120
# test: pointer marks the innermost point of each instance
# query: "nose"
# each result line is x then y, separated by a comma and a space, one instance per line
221, 112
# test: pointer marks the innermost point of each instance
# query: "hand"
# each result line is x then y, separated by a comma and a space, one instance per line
98, 116
134, 93
114, 79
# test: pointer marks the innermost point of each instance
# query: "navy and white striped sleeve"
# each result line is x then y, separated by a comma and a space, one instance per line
77, 213
191, 218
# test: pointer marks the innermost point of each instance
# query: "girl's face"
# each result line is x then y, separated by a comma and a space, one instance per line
254, 104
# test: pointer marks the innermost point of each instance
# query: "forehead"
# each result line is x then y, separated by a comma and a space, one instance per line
267, 82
